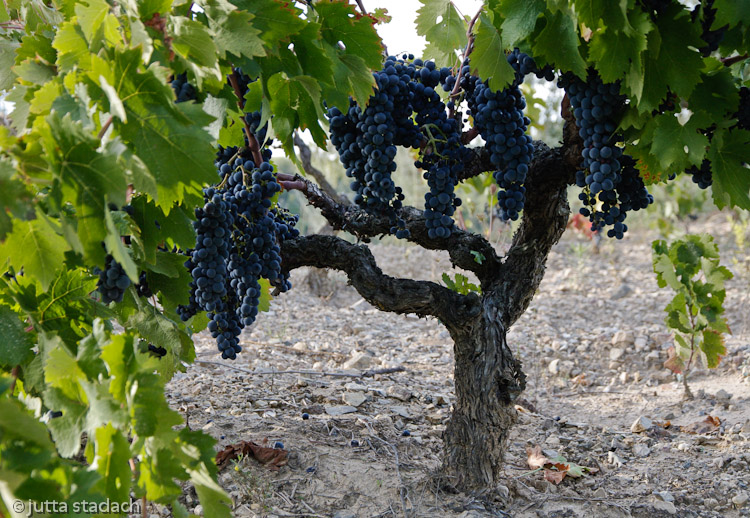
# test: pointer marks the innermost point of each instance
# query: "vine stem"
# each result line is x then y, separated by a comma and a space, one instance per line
728, 62
251, 139
14, 376
467, 52
104, 129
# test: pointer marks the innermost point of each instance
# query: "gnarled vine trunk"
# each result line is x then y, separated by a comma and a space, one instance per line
487, 381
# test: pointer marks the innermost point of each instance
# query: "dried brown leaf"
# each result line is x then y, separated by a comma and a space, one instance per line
272, 458
536, 458
553, 476
708, 425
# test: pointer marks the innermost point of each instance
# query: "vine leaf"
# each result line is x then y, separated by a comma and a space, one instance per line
670, 63
729, 153
169, 139
558, 43
35, 247
519, 19
16, 344
444, 28
490, 60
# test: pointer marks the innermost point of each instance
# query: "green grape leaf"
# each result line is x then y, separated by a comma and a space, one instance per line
232, 31
112, 461
352, 71
443, 27
169, 139
149, 410
157, 329
119, 356
341, 22
14, 196
731, 12
489, 57
35, 247
15, 422
671, 139
713, 347
714, 97
66, 430
16, 344
71, 46
213, 498
519, 19
91, 17
90, 178
7, 59
558, 43
276, 21
611, 14
671, 60
617, 52
192, 41
729, 155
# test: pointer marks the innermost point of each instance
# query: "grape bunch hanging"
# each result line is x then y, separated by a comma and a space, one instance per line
239, 232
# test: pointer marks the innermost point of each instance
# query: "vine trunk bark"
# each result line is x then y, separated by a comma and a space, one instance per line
487, 381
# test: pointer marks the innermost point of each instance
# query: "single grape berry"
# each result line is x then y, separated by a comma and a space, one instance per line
355, 443
406, 433
305, 416
278, 445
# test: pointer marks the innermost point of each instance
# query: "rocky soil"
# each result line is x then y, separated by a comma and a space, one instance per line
593, 344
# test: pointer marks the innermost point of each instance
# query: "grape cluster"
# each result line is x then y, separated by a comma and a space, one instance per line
610, 190
501, 122
113, 281
239, 234
405, 110
142, 288
182, 89
702, 175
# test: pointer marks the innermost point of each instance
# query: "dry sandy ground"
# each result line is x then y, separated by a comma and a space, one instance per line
592, 343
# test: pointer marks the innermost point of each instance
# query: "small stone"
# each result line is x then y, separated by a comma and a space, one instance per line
399, 393
615, 459
641, 424
355, 387
344, 514
600, 493
740, 499
666, 496
616, 353
624, 377
359, 361
503, 492
300, 346
683, 446
340, 410
354, 398
710, 503
623, 339
641, 450
665, 506
640, 343
401, 410
554, 367
623, 291
552, 440
434, 418
198, 509
441, 399
723, 395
